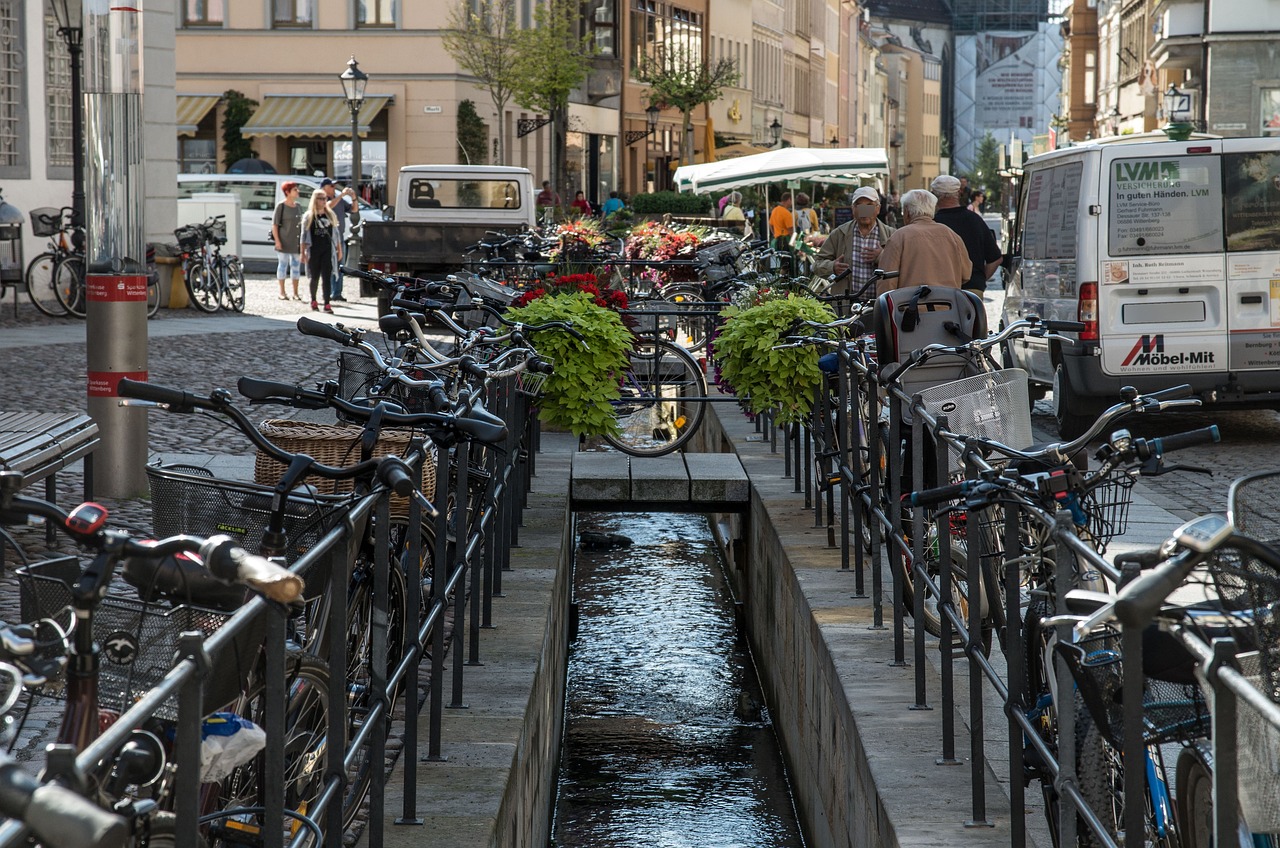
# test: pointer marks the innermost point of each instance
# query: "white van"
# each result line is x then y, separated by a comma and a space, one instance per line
1168, 252
259, 195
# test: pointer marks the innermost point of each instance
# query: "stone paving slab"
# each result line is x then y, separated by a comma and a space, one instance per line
717, 477
601, 476
659, 478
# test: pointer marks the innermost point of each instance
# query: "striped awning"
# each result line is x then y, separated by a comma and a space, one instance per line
191, 111
324, 115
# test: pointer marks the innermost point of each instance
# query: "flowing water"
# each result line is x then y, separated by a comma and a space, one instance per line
667, 742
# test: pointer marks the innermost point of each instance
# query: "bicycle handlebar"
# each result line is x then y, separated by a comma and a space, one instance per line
58, 816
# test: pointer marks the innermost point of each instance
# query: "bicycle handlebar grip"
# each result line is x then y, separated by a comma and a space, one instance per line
928, 497
438, 398
59, 817
176, 399
541, 366
311, 327
255, 389
406, 303
1062, 326
471, 368
1172, 393
1140, 600
1178, 441
393, 472
232, 563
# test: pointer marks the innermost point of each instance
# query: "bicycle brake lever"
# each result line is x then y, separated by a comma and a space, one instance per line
1158, 468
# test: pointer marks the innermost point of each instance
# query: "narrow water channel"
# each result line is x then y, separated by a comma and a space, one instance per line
667, 743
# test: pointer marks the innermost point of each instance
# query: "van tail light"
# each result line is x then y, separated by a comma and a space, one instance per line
1087, 312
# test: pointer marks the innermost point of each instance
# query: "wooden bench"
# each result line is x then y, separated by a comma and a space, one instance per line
40, 444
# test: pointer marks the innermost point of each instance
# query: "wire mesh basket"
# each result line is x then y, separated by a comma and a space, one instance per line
474, 288
189, 237
719, 260
1171, 712
531, 383
218, 231
993, 406
138, 640
188, 499
358, 373
336, 444
1258, 756
45, 221
1107, 506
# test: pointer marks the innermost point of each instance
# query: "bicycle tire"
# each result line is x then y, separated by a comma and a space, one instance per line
690, 331
306, 725
153, 295
40, 288
652, 418
231, 294
202, 287
68, 285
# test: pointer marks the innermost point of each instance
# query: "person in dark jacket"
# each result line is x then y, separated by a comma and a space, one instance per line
979, 241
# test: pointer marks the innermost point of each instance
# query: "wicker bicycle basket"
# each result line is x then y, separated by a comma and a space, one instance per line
336, 444
139, 640
45, 221
1171, 712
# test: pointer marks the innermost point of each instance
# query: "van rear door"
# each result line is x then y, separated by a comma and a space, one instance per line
1251, 179
1162, 299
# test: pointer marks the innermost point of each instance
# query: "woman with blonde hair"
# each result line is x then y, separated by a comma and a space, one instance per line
320, 246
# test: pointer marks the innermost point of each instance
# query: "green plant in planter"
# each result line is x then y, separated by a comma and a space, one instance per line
578, 394
785, 380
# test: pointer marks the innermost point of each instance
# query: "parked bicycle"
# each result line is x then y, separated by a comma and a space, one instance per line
65, 241
214, 281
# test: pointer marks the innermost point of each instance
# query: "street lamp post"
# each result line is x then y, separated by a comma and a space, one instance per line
68, 14
353, 82
1177, 110
776, 130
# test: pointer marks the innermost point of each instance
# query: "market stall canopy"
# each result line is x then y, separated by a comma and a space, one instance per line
845, 166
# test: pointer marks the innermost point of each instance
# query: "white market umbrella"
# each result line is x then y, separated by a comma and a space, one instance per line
845, 166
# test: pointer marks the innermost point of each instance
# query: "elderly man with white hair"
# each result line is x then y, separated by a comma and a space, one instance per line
924, 252
979, 241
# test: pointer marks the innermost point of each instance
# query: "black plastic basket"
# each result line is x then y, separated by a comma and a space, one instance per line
45, 221
138, 640
491, 292
189, 238
188, 499
1171, 712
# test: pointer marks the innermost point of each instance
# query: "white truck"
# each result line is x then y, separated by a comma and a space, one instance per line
441, 210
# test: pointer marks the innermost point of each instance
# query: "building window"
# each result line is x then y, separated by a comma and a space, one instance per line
1090, 78
57, 96
601, 22
291, 13
198, 13
664, 34
1133, 48
13, 85
1270, 111
376, 13
197, 156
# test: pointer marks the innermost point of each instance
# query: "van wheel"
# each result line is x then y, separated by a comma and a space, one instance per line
1069, 408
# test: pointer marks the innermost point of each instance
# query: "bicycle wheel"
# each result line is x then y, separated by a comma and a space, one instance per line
68, 285
662, 400
231, 293
305, 745
690, 331
202, 286
153, 295
40, 288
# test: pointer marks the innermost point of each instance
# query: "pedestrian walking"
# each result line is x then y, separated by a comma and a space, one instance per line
341, 202
286, 233
979, 242
319, 246
924, 252
613, 204
782, 225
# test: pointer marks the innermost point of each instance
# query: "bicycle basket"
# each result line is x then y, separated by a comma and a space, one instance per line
187, 499
189, 238
490, 292
1258, 752
218, 231
1107, 506
139, 641
336, 444
46, 221
992, 406
1248, 592
357, 374
531, 382
1171, 712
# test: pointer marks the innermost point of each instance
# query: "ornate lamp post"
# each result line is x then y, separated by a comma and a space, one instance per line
776, 130
1177, 110
69, 16
353, 82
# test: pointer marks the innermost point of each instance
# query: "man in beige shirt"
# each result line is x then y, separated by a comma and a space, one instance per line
924, 252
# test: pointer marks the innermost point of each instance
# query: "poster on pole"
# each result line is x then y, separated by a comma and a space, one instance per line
1006, 79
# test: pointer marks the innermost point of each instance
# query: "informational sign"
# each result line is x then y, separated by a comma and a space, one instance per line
1167, 205
1006, 65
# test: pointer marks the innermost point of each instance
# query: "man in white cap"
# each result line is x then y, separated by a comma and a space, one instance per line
979, 241
855, 245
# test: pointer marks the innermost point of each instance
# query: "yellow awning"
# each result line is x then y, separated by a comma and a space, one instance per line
324, 115
191, 111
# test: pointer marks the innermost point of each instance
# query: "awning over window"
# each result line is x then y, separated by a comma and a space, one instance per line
324, 115
191, 111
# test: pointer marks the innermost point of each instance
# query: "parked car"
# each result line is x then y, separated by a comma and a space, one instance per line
259, 194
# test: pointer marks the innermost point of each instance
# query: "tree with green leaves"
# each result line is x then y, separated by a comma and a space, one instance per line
683, 81
482, 40
473, 136
237, 112
551, 61
986, 170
